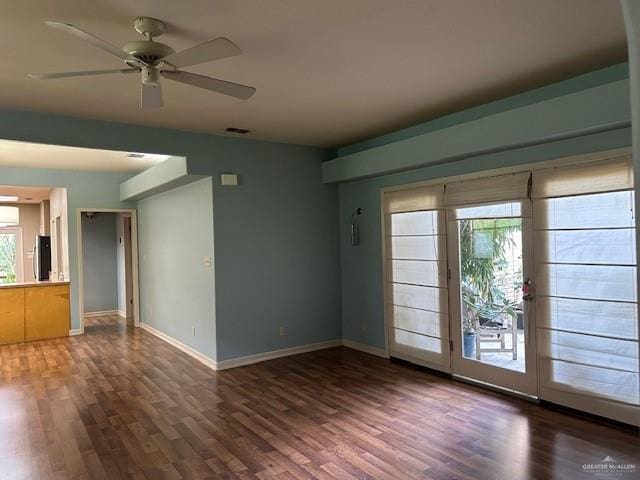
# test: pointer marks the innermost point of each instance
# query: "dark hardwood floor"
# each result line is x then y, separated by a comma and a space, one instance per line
120, 403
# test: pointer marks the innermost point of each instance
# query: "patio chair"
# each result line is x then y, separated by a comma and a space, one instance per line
493, 330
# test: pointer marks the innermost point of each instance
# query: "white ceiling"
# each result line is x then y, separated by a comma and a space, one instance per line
26, 194
327, 72
36, 155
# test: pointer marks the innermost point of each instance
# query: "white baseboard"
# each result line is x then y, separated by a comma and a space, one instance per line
122, 314
102, 313
285, 352
76, 331
262, 357
209, 362
378, 352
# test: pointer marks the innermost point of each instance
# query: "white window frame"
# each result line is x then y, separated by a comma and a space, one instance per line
19, 251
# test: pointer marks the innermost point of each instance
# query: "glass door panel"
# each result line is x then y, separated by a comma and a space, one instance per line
490, 286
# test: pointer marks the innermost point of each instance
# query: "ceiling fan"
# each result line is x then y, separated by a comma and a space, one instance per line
154, 60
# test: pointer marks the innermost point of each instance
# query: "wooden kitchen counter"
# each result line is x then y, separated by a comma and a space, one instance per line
33, 284
34, 311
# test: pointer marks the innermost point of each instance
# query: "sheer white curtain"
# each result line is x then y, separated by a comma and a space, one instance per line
417, 313
585, 254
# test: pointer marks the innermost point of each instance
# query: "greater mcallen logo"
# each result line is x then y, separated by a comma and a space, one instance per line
609, 467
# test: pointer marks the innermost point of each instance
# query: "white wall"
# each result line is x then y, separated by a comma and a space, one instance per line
45, 224
176, 287
58, 208
30, 223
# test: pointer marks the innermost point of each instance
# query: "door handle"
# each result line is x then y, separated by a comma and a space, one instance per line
527, 296
527, 290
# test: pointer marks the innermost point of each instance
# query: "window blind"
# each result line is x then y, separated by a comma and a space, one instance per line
9, 216
584, 239
602, 176
413, 199
498, 189
416, 282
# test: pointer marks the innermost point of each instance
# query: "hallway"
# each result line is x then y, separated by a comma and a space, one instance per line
120, 403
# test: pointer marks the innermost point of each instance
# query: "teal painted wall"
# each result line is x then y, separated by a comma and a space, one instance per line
276, 235
100, 262
361, 267
276, 252
84, 190
281, 252
595, 109
571, 85
175, 233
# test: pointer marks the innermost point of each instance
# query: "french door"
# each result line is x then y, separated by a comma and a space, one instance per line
491, 294
525, 281
416, 291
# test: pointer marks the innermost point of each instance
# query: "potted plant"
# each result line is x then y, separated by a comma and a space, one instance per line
469, 341
470, 319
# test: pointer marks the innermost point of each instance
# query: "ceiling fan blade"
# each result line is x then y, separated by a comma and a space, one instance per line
93, 40
213, 84
151, 97
47, 76
205, 52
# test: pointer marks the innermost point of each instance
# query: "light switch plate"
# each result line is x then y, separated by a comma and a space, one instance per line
229, 179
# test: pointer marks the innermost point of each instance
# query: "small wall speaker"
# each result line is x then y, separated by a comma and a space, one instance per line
229, 179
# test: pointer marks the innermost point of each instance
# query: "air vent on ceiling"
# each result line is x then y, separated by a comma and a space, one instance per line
135, 155
241, 131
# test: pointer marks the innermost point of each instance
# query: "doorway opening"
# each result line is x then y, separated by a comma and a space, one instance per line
108, 267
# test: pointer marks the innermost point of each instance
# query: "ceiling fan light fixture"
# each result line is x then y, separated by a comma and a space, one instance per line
150, 77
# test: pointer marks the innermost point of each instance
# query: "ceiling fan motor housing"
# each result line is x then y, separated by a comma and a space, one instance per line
148, 51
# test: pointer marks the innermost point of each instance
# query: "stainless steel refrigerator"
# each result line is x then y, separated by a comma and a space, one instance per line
42, 257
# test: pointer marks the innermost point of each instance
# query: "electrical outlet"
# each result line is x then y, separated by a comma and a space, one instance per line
283, 332
193, 331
